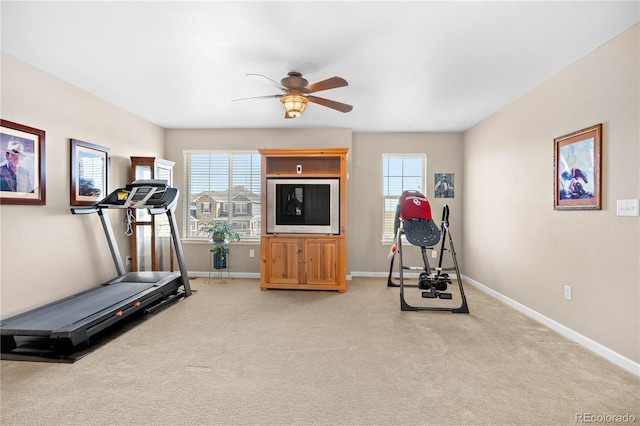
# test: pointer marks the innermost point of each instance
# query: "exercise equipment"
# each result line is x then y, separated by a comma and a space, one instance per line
413, 220
72, 321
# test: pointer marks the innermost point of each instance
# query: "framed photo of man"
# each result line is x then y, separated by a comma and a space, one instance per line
22, 166
443, 185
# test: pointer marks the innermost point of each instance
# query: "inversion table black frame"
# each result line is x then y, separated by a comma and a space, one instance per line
72, 321
431, 279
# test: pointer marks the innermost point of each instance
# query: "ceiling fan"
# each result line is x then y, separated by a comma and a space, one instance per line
297, 92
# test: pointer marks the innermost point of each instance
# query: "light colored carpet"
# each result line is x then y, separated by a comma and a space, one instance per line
235, 355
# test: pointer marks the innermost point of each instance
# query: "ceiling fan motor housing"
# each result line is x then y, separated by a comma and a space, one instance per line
295, 82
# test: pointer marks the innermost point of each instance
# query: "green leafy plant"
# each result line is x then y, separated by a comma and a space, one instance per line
221, 234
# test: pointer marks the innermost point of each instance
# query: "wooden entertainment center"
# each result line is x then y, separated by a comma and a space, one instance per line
304, 261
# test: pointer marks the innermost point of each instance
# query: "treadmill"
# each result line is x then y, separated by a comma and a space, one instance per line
71, 322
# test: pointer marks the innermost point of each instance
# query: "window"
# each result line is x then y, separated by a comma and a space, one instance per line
216, 180
400, 172
241, 207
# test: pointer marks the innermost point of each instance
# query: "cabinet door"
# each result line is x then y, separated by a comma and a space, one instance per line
320, 261
285, 260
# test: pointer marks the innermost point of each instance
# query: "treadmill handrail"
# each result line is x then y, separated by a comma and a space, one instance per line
84, 210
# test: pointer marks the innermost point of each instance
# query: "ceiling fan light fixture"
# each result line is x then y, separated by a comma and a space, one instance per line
294, 104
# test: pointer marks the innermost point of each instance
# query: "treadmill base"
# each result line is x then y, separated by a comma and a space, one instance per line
41, 349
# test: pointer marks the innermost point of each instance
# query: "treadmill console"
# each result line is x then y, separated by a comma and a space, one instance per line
141, 194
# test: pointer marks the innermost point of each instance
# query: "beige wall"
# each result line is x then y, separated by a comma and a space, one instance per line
516, 243
177, 141
46, 252
366, 254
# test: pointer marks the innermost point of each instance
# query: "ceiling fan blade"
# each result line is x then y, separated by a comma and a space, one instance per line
338, 106
256, 98
330, 83
268, 80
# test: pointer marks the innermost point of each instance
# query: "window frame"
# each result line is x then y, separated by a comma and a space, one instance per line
388, 238
188, 230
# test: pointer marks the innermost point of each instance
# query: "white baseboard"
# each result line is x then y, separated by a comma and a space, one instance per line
382, 274
215, 273
369, 274
603, 351
206, 274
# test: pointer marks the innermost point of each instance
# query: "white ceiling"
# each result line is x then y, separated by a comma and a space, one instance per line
411, 66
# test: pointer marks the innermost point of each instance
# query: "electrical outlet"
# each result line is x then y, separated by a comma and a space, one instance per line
567, 292
434, 254
252, 253
128, 260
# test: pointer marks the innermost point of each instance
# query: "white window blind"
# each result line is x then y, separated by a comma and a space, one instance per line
220, 180
400, 172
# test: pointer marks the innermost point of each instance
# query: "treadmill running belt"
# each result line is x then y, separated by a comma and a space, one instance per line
75, 308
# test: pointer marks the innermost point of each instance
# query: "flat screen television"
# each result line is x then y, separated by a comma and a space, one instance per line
303, 206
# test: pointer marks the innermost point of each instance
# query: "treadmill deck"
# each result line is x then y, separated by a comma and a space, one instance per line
76, 314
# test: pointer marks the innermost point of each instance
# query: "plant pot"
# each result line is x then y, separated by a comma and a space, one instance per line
219, 260
217, 238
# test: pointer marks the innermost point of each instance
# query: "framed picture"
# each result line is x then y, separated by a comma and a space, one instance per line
577, 170
90, 166
443, 185
22, 167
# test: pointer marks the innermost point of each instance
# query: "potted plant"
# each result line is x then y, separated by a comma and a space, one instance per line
221, 234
